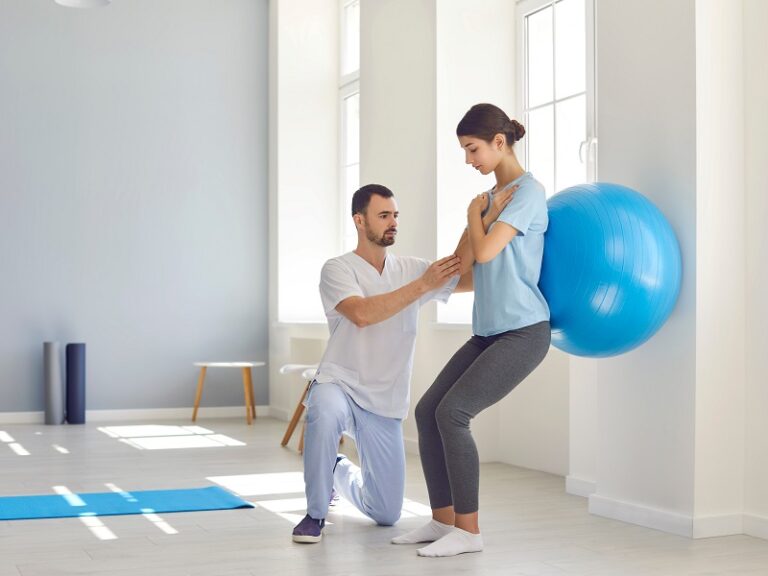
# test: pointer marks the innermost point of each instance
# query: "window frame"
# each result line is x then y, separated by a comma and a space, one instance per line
349, 85
588, 147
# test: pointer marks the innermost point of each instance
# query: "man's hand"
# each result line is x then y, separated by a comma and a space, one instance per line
440, 272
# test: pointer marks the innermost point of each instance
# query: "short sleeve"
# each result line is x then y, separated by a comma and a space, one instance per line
523, 209
441, 294
337, 283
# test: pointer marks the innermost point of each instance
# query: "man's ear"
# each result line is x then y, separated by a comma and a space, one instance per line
358, 218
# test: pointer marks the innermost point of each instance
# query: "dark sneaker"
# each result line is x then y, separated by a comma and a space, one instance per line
309, 530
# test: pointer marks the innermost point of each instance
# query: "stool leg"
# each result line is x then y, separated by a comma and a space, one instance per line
296, 416
199, 394
250, 391
247, 396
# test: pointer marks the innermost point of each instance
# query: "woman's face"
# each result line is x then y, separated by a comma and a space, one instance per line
483, 156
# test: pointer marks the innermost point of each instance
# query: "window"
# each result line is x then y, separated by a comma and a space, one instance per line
349, 100
555, 40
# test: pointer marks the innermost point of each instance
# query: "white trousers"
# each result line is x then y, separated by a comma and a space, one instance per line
376, 488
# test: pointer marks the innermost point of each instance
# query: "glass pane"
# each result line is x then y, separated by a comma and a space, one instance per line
570, 48
571, 132
352, 129
540, 133
540, 62
351, 184
350, 60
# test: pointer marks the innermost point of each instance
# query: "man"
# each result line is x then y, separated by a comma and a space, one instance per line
371, 299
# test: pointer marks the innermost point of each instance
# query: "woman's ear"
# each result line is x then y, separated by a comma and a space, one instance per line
500, 141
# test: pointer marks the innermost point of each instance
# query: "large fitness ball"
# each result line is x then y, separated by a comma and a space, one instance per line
611, 270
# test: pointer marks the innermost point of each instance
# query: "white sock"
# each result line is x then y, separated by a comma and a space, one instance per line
430, 532
458, 541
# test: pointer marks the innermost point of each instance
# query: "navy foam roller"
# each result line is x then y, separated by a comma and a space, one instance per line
76, 383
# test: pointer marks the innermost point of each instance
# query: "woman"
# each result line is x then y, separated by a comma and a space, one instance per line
503, 243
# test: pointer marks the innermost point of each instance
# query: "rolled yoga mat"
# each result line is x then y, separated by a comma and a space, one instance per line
54, 383
76, 383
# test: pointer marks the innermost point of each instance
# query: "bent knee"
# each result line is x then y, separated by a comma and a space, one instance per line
450, 416
386, 517
424, 413
326, 415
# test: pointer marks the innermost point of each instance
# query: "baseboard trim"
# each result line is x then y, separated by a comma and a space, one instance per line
721, 525
140, 414
641, 515
756, 526
580, 486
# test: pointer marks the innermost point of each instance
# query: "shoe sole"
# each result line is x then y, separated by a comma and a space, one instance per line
307, 539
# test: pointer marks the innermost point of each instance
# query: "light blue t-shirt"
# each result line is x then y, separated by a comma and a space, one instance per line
507, 295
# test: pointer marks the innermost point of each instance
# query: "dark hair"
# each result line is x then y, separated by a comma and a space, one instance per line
484, 121
362, 197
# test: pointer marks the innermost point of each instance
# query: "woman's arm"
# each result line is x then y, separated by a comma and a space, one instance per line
486, 245
464, 249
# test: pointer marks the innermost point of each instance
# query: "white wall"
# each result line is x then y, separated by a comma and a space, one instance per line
133, 161
681, 421
583, 432
646, 106
756, 150
720, 269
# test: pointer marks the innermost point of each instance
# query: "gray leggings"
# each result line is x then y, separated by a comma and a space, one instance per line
481, 373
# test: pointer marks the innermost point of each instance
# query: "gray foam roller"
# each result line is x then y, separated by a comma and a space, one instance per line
54, 384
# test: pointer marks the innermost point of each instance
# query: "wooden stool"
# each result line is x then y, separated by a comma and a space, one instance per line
250, 406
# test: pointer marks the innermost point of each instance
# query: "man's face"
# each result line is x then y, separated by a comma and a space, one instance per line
380, 220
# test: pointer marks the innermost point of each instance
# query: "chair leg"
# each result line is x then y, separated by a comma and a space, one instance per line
247, 395
199, 394
296, 416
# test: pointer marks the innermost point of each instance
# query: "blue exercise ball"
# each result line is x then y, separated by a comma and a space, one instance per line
611, 270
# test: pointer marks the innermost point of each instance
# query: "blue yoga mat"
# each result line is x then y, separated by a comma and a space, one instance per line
118, 503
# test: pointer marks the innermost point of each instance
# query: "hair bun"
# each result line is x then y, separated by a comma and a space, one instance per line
516, 129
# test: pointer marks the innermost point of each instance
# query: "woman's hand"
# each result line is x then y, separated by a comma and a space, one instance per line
500, 202
478, 205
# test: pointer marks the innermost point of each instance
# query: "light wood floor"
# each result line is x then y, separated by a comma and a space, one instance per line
530, 526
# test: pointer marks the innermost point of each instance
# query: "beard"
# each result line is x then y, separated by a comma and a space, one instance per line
382, 240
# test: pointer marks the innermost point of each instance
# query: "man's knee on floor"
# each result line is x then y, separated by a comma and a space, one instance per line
387, 516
